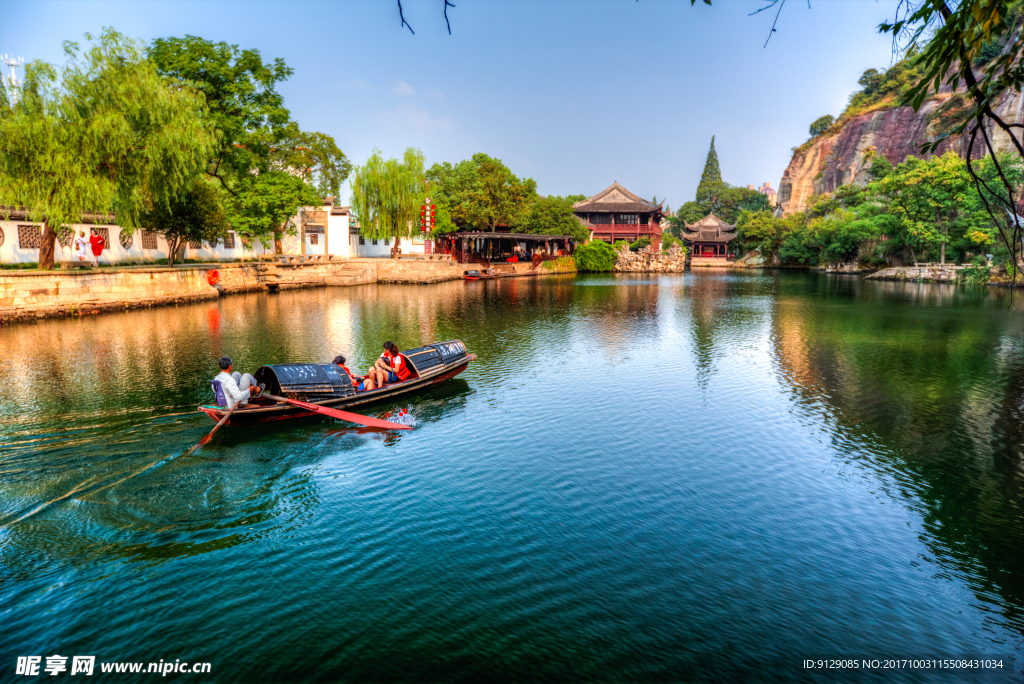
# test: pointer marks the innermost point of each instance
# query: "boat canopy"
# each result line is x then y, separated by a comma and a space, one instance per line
310, 382
316, 382
426, 358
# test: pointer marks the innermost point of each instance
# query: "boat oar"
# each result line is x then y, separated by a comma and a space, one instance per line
343, 415
206, 439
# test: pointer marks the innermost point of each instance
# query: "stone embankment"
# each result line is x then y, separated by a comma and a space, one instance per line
649, 261
927, 273
43, 294
850, 268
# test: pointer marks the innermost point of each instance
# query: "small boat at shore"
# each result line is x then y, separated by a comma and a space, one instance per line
479, 275
324, 384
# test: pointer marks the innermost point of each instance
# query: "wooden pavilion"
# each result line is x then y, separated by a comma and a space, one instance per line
484, 247
617, 214
709, 237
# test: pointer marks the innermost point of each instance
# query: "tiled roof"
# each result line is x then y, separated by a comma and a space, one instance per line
709, 229
615, 198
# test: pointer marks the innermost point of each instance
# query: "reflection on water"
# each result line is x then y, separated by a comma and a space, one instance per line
939, 387
643, 478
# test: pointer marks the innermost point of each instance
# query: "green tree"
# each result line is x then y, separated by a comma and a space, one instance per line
869, 81
821, 125
735, 201
482, 192
553, 215
711, 186
194, 216
596, 256
880, 167
759, 230
667, 240
442, 213
387, 194
106, 132
640, 243
929, 197
263, 205
689, 212
258, 142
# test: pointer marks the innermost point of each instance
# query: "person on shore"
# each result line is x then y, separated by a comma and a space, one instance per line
234, 388
97, 243
358, 383
81, 246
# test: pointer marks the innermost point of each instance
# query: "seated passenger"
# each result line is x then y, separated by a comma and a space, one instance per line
400, 364
358, 383
391, 367
382, 371
232, 389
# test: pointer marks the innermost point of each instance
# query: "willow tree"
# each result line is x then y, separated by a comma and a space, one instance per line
386, 195
105, 133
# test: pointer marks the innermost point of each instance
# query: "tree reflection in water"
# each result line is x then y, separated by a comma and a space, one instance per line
932, 378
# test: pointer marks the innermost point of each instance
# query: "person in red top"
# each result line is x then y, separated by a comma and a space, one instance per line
358, 383
391, 367
98, 243
400, 364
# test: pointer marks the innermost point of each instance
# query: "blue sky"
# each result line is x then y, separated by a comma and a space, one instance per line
574, 93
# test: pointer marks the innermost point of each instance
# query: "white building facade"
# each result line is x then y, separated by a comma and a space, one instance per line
324, 230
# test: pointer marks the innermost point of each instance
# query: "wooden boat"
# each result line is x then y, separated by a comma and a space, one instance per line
326, 385
478, 275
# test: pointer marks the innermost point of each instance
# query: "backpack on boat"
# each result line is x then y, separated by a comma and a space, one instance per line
222, 400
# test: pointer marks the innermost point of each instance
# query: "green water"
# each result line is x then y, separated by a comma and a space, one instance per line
656, 479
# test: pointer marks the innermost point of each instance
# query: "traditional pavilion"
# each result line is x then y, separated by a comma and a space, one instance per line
617, 214
489, 247
709, 237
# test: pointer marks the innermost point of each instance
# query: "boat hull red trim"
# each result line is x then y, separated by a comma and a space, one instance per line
263, 414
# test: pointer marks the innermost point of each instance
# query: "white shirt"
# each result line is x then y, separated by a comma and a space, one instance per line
232, 393
81, 246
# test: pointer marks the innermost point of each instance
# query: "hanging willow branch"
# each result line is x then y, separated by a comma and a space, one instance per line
386, 194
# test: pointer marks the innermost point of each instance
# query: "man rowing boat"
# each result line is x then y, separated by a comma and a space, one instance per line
234, 388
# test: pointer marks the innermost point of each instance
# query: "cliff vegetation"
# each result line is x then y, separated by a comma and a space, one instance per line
919, 106
922, 210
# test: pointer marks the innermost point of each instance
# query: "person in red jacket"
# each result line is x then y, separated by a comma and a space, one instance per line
358, 383
391, 367
97, 242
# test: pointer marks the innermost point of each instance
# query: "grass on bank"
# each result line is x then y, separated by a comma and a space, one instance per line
565, 264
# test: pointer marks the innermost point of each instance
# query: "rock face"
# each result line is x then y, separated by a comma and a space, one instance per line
895, 133
849, 267
927, 274
648, 260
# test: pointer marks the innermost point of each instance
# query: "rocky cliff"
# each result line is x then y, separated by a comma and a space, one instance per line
896, 133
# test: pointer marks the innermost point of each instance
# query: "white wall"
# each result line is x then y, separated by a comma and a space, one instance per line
12, 253
339, 242
313, 249
337, 235
380, 249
